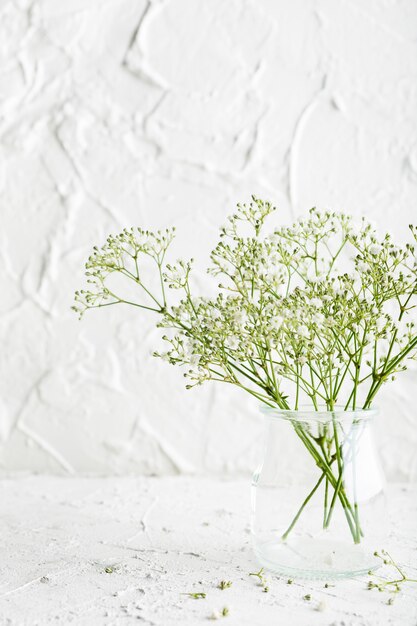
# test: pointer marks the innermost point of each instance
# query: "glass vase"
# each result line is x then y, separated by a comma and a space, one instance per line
318, 495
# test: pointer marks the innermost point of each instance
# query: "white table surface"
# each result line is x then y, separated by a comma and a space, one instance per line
162, 537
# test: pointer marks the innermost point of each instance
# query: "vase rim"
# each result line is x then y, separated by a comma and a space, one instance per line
307, 413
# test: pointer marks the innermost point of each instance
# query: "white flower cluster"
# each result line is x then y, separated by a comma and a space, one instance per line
317, 311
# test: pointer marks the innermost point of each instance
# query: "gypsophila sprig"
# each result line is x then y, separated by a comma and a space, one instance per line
390, 585
225, 584
321, 313
262, 579
122, 254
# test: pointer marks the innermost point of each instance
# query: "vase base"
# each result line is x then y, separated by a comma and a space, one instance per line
321, 559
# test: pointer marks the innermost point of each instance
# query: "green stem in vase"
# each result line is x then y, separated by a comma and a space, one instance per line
302, 507
339, 487
326, 496
324, 463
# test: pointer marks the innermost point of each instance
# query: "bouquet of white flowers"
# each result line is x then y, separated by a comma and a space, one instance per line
317, 313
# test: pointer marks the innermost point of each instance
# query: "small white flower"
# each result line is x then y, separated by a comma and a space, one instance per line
316, 302
318, 318
273, 259
232, 342
273, 277
276, 322
239, 317
374, 249
194, 359
362, 266
188, 347
303, 331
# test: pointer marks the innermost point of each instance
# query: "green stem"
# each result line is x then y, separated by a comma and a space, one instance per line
326, 495
354, 523
332, 503
300, 510
325, 465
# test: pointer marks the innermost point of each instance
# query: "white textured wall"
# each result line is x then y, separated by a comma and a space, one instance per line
120, 112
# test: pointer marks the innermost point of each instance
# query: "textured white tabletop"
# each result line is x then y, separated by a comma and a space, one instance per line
124, 550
